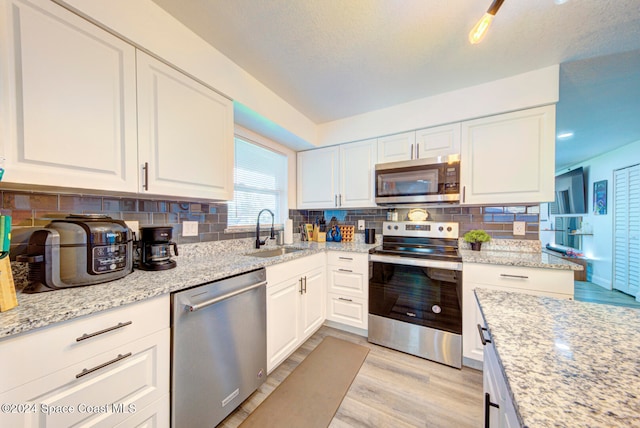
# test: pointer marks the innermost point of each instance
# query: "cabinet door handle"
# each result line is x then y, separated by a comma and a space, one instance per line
487, 407
145, 168
85, 372
345, 270
335, 197
305, 285
346, 300
481, 331
106, 330
417, 151
345, 258
340, 199
412, 151
464, 191
506, 275
300, 285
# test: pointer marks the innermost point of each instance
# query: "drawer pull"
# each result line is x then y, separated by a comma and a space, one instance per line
85, 372
484, 340
345, 270
106, 330
514, 276
345, 258
487, 408
346, 300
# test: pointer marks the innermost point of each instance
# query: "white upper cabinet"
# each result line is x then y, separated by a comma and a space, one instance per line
318, 175
509, 158
68, 100
337, 176
185, 134
398, 147
438, 141
357, 163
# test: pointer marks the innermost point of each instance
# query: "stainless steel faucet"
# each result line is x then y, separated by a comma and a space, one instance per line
258, 241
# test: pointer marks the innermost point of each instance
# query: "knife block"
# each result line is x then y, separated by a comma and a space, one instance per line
8, 299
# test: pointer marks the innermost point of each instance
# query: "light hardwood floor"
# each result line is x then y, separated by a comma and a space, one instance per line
589, 292
392, 389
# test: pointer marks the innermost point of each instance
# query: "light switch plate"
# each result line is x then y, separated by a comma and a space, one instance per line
360, 224
519, 227
189, 228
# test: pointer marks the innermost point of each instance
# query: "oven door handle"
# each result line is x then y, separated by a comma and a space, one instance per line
410, 261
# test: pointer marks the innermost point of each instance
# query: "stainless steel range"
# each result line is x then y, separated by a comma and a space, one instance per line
415, 291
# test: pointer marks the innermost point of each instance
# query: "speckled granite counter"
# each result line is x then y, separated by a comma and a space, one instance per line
197, 264
567, 363
513, 252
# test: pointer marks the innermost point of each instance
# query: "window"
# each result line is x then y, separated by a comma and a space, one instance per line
260, 181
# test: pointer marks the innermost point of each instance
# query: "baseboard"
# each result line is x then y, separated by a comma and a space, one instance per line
347, 328
602, 282
471, 363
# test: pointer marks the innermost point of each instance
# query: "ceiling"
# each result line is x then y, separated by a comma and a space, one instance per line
332, 59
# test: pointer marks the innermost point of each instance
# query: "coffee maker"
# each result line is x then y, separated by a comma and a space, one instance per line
154, 248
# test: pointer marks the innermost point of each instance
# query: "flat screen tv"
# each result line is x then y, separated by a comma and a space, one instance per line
570, 192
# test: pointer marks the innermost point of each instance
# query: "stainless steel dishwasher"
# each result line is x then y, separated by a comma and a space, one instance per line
218, 348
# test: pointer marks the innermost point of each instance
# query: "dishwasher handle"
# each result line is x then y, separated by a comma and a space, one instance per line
193, 308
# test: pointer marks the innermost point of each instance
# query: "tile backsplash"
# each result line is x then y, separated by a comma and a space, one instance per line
37, 209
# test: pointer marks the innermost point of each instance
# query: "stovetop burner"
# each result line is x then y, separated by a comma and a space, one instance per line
422, 240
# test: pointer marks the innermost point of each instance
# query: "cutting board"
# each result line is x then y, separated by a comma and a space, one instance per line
8, 299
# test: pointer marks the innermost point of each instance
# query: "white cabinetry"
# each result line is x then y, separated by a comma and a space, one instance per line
397, 147
497, 401
295, 305
185, 145
107, 368
68, 100
337, 177
538, 281
421, 144
509, 158
348, 288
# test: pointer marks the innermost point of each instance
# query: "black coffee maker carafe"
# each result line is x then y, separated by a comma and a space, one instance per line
154, 248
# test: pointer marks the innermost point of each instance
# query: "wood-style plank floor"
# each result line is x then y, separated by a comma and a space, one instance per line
392, 389
589, 292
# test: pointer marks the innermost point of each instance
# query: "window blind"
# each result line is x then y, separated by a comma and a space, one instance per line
260, 181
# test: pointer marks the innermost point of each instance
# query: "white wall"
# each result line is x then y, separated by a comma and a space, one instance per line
145, 24
599, 247
532, 89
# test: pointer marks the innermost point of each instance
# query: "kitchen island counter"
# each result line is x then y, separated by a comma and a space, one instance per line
566, 363
197, 264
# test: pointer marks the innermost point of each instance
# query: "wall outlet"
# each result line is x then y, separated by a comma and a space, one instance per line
519, 227
189, 228
360, 224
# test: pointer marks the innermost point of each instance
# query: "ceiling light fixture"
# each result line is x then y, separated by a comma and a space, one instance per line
480, 29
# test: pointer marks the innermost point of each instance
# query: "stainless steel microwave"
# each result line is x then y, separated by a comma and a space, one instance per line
419, 180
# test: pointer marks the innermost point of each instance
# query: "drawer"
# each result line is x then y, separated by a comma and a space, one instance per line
347, 281
61, 345
358, 262
116, 390
294, 268
348, 310
556, 281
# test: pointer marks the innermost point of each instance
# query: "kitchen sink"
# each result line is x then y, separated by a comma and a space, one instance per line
274, 253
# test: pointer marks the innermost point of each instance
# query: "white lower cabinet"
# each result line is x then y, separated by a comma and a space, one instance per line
537, 281
497, 401
295, 305
77, 386
348, 288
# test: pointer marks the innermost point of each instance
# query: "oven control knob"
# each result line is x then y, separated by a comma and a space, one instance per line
436, 309
449, 229
395, 227
441, 228
388, 227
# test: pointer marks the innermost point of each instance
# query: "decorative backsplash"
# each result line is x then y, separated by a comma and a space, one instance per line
37, 209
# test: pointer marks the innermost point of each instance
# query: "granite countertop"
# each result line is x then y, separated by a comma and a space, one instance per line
513, 252
197, 264
566, 363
